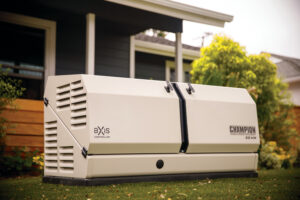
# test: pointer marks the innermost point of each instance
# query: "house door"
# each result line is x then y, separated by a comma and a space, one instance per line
22, 57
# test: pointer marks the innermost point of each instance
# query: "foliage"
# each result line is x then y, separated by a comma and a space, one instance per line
10, 89
226, 63
273, 157
38, 160
17, 163
297, 160
270, 185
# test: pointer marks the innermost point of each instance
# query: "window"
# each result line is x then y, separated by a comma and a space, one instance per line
170, 71
28, 50
22, 57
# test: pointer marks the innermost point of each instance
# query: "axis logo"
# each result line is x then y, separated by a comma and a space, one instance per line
101, 132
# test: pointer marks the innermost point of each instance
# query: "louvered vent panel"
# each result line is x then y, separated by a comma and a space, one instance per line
51, 146
78, 105
63, 97
66, 159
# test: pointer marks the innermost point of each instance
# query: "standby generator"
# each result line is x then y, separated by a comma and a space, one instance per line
101, 130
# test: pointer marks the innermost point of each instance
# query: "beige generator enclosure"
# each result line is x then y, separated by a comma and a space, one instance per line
104, 129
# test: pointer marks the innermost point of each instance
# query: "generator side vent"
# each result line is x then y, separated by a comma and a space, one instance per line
63, 97
78, 105
51, 159
66, 159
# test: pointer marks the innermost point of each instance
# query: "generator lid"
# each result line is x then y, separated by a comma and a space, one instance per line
219, 119
111, 115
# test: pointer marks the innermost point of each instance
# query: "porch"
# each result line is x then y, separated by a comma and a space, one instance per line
77, 37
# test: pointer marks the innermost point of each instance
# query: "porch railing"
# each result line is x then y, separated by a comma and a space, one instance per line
24, 71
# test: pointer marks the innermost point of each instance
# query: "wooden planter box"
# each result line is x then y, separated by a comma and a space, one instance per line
25, 125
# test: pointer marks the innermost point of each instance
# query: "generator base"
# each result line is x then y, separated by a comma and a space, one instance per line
146, 178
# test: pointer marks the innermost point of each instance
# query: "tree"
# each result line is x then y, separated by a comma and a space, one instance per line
226, 63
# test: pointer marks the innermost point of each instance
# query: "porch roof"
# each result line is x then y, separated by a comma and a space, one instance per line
178, 10
162, 46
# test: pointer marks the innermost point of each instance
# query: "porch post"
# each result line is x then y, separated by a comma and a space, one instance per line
90, 44
178, 58
132, 58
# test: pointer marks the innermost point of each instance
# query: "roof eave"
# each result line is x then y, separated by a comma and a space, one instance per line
179, 10
292, 79
164, 50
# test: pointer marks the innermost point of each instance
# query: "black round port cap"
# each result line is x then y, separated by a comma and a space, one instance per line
160, 164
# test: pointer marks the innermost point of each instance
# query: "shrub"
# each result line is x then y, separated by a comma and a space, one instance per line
273, 157
226, 63
18, 162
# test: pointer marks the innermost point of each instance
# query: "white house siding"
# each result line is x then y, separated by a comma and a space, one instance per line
294, 88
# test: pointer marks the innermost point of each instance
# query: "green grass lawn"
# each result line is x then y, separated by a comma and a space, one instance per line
272, 184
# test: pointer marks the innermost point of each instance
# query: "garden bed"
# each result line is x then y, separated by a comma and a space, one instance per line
271, 184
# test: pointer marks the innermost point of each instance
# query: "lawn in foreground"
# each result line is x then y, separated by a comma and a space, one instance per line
272, 184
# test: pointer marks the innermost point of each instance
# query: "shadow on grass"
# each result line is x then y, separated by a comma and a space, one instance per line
271, 184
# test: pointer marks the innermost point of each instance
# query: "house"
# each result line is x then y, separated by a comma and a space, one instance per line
41, 38
289, 70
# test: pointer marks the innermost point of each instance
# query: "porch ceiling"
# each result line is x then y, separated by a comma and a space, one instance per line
178, 10
124, 19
